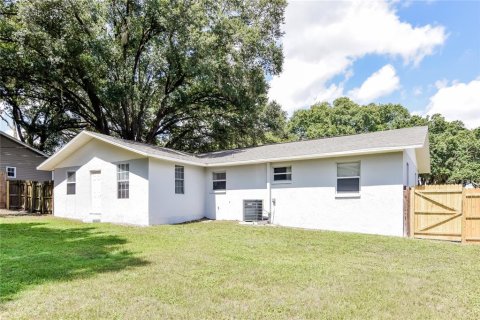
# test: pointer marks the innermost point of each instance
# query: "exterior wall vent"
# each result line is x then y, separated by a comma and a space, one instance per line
252, 210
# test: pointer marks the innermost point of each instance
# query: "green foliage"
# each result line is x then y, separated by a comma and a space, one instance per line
346, 117
455, 150
186, 74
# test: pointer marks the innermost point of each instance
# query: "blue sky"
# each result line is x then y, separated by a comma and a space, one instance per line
424, 55
457, 60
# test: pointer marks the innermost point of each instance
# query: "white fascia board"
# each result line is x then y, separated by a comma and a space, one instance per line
50, 163
170, 159
315, 156
180, 161
121, 146
423, 157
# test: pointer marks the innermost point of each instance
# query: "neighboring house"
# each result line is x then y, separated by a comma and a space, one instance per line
20, 161
350, 183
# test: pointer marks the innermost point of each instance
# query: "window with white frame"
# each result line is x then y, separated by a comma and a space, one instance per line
282, 174
71, 182
179, 180
348, 177
219, 180
11, 172
123, 182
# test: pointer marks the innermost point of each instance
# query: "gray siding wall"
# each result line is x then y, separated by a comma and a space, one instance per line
13, 154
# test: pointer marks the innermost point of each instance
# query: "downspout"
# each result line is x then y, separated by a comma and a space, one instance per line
269, 194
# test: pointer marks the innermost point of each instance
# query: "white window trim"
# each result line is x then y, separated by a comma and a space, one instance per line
211, 184
123, 180
282, 181
70, 182
183, 179
348, 194
14, 172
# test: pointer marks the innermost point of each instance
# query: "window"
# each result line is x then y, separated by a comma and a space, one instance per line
123, 184
11, 172
71, 182
348, 177
179, 180
219, 180
282, 174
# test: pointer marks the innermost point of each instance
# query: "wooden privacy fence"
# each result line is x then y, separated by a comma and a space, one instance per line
3, 190
471, 215
31, 196
444, 212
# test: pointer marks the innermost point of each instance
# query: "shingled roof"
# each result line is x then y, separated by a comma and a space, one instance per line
401, 138
374, 142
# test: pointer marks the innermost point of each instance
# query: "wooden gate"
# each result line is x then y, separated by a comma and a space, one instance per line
31, 196
438, 212
445, 212
14, 194
471, 218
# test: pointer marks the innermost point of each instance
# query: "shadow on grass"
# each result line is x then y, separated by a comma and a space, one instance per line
31, 254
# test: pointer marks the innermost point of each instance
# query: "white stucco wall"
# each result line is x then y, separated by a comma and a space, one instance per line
412, 173
243, 183
310, 200
167, 207
97, 155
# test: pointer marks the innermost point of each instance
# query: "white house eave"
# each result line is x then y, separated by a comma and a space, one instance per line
179, 161
85, 136
171, 159
50, 163
423, 157
314, 156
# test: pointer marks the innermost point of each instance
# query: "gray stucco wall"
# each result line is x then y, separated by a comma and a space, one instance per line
25, 161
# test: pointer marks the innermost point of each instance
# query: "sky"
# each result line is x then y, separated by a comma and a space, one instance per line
424, 55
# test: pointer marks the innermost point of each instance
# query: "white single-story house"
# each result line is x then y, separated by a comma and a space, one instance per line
348, 183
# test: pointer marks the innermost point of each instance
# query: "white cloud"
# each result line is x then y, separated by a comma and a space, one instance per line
439, 84
323, 39
417, 91
460, 101
379, 84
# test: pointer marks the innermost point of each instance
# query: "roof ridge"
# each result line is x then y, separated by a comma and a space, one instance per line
361, 143
201, 156
308, 140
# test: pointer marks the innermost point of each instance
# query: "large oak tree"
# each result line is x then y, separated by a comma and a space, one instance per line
186, 74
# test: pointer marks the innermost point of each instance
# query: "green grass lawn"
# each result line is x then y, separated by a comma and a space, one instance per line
54, 268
